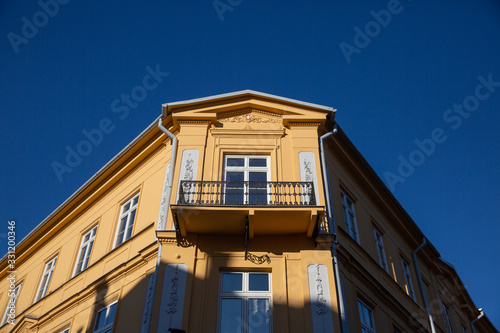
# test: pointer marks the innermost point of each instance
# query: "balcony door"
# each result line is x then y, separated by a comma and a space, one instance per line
246, 180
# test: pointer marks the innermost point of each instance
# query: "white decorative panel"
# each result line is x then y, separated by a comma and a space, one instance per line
172, 297
189, 167
308, 172
319, 293
162, 216
147, 305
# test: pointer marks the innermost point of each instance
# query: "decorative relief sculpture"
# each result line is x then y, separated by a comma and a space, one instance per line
189, 167
308, 174
172, 305
172, 297
259, 260
189, 173
308, 171
147, 304
319, 295
320, 301
250, 118
163, 204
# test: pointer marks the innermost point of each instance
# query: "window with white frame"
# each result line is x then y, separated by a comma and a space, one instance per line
366, 318
44, 282
126, 220
244, 302
9, 314
104, 319
65, 331
349, 216
82, 260
446, 314
379, 244
409, 285
246, 179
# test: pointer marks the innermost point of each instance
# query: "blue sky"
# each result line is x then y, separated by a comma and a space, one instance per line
395, 82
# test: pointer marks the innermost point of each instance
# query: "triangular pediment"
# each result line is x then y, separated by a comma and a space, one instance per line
247, 106
25, 325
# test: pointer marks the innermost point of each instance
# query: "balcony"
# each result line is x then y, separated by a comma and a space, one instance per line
237, 193
222, 206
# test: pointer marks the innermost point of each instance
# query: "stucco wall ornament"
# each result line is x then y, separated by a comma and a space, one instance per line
163, 204
188, 175
321, 301
251, 118
172, 304
308, 174
319, 293
147, 304
188, 170
172, 297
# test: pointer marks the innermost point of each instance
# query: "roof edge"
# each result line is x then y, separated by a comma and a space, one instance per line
247, 92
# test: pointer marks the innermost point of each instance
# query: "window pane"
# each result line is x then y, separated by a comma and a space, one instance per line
84, 264
230, 319
258, 282
80, 261
258, 162
361, 314
368, 317
130, 225
42, 287
111, 314
233, 196
235, 162
88, 254
257, 197
235, 176
232, 281
258, 315
132, 216
123, 224
101, 318
258, 177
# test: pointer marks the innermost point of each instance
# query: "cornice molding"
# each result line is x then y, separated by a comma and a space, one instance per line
166, 236
304, 124
193, 122
219, 132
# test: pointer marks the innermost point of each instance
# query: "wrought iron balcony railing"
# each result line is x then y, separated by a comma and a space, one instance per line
246, 193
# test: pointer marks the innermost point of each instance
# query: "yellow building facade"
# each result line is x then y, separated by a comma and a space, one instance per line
242, 212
